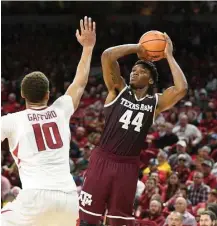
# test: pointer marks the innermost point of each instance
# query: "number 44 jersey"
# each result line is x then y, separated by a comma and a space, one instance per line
127, 121
39, 142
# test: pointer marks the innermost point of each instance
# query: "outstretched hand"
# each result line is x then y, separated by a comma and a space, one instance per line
87, 35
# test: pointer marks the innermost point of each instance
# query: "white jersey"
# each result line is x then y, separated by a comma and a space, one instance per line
39, 142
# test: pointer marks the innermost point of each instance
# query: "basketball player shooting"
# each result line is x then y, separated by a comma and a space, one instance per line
39, 143
112, 175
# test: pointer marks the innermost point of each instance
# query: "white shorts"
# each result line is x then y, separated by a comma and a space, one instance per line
41, 208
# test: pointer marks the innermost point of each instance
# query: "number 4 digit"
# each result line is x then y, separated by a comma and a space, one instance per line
125, 118
137, 121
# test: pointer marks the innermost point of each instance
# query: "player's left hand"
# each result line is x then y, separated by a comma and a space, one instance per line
169, 46
87, 36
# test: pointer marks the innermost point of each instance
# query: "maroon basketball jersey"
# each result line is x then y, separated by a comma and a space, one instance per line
127, 121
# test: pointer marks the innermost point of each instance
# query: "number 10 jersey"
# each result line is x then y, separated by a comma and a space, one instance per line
127, 121
39, 142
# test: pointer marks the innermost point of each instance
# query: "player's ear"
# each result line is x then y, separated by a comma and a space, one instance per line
151, 81
47, 95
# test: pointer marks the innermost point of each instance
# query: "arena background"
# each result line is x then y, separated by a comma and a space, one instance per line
41, 36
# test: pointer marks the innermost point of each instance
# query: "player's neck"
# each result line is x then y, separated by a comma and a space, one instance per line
30, 105
140, 93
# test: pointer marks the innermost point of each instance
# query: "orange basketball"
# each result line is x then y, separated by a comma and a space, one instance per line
154, 43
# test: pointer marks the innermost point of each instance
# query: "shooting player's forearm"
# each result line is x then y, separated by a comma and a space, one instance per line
179, 79
83, 69
116, 52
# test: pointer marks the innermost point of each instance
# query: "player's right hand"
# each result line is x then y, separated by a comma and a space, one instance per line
142, 54
87, 35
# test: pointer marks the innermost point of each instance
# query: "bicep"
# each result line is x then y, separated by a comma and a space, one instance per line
111, 73
169, 98
76, 93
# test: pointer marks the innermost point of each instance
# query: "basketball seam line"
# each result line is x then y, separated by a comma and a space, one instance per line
153, 40
154, 50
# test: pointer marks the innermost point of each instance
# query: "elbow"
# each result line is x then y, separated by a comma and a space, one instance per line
106, 54
184, 90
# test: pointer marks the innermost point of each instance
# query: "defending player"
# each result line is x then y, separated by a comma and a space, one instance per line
39, 142
112, 175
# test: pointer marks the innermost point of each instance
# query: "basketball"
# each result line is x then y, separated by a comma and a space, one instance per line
154, 43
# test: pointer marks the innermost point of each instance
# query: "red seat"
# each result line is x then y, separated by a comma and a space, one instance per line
145, 223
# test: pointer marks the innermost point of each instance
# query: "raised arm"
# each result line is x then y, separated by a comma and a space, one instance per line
174, 93
87, 38
111, 69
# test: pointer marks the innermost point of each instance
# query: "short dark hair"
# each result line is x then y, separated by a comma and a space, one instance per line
34, 86
154, 74
209, 213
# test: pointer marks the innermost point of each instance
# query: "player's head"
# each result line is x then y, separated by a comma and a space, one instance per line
144, 73
35, 88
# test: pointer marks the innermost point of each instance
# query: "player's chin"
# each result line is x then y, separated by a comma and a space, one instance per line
133, 84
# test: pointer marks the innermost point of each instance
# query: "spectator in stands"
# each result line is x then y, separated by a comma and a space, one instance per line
181, 168
214, 170
181, 148
202, 99
80, 136
155, 213
145, 198
209, 179
171, 188
12, 105
82, 163
174, 219
209, 122
198, 191
212, 198
181, 207
190, 112
207, 218
167, 138
213, 142
163, 162
187, 131
153, 168
204, 153
211, 83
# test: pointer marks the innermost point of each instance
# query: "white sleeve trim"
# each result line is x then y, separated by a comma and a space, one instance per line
107, 105
156, 96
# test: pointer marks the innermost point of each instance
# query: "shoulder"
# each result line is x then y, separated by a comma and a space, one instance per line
63, 99
9, 118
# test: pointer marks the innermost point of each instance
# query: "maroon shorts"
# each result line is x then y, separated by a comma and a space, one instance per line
109, 185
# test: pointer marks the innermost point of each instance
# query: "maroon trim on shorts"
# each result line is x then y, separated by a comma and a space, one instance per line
116, 158
4, 211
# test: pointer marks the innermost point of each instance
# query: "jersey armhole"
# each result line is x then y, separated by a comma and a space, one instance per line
157, 98
117, 97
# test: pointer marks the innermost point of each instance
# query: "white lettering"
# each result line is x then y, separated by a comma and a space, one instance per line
85, 198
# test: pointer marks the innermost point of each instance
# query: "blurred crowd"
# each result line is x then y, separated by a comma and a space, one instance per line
115, 7
178, 167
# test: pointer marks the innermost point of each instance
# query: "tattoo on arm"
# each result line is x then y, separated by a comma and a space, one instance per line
114, 75
114, 78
